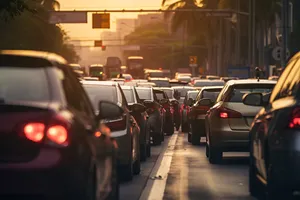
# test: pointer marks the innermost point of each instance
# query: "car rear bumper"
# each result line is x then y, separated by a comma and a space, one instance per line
48, 174
229, 140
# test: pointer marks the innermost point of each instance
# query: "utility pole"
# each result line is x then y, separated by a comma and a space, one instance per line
253, 33
250, 33
284, 25
238, 30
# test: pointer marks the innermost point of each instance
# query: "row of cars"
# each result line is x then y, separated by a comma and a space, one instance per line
257, 116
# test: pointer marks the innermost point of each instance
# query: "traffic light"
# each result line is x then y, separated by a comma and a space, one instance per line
103, 48
98, 43
101, 21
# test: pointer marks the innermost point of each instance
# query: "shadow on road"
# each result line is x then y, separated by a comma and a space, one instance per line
233, 160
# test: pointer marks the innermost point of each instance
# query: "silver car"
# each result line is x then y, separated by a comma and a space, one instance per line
228, 122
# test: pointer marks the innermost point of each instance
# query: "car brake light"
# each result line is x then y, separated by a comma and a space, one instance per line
34, 131
225, 113
295, 119
57, 134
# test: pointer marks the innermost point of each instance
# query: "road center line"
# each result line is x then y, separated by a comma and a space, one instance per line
163, 165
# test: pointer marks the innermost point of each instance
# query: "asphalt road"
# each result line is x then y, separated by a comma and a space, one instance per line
178, 170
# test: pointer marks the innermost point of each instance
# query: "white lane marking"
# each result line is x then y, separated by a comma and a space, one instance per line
158, 186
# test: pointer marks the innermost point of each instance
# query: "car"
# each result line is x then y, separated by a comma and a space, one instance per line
184, 78
274, 78
154, 110
174, 104
90, 78
160, 82
127, 77
226, 79
228, 122
179, 74
196, 116
212, 77
168, 122
148, 84
206, 82
138, 110
274, 137
174, 82
189, 97
121, 81
51, 143
124, 130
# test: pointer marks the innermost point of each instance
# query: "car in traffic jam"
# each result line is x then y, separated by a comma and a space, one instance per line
81, 137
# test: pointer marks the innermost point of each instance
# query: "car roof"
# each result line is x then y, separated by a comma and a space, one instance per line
106, 83
251, 81
212, 87
192, 91
159, 79
164, 88
143, 88
127, 87
46, 56
207, 80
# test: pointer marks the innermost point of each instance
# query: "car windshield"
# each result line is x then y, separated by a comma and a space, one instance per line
209, 83
129, 95
23, 84
238, 91
97, 93
161, 83
211, 94
144, 94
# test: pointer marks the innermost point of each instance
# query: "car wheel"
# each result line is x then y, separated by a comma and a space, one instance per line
162, 136
137, 166
148, 150
254, 184
143, 151
170, 130
215, 155
184, 127
126, 171
157, 140
207, 150
189, 138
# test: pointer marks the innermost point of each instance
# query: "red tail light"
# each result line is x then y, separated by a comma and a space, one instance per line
57, 134
34, 131
225, 113
117, 125
166, 106
295, 119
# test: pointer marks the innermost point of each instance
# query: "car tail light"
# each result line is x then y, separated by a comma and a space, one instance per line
225, 113
57, 134
116, 125
166, 106
34, 131
295, 119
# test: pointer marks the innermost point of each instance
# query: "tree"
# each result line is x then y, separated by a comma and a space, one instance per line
32, 31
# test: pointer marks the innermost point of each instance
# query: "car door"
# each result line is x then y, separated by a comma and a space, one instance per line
267, 120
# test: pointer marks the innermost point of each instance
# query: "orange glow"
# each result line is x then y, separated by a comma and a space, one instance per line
34, 131
57, 134
98, 134
224, 115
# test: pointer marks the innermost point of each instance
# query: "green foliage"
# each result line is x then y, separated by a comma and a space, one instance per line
31, 31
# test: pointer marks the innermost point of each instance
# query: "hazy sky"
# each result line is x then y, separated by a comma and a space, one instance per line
85, 31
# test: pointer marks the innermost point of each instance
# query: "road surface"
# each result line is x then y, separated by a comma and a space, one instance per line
178, 170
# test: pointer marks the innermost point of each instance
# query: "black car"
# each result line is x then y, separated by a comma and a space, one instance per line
274, 137
50, 142
189, 98
197, 113
163, 99
154, 110
124, 130
175, 108
138, 111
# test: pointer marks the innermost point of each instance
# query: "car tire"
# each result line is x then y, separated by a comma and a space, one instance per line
157, 140
162, 136
185, 127
126, 171
143, 151
254, 184
207, 150
137, 166
215, 155
148, 150
189, 138
170, 130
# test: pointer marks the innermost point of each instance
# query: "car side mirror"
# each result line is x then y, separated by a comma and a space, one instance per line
253, 99
190, 102
205, 102
137, 108
109, 111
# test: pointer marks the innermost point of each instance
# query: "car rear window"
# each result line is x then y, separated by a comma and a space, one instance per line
97, 93
23, 84
169, 93
144, 94
237, 92
161, 83
159, 95
193, 95
209, 83
129, 95
211, 94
